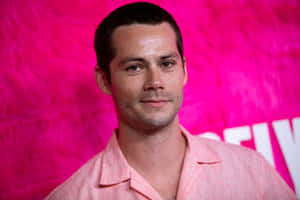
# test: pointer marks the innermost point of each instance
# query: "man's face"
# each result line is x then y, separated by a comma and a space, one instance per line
147, 75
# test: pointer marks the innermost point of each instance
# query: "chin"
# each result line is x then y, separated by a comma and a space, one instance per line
156, 123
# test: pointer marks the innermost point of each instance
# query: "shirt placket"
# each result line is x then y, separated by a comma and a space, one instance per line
140, 185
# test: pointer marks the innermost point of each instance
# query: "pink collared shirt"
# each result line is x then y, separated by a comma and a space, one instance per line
211, 170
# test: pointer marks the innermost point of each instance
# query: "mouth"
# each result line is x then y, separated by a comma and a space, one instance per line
154, 102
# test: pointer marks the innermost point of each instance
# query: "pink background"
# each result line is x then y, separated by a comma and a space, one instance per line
243, 60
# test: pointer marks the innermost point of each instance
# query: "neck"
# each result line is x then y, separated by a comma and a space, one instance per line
150, 152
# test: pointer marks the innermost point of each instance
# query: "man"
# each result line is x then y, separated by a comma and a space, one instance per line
150, 156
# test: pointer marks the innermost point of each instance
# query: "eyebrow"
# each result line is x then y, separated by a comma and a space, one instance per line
132, 59
171, 55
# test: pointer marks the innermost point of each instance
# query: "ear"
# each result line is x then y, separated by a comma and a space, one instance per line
101, 80
185, 71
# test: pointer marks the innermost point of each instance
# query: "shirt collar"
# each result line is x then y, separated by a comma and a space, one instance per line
199, 150
115, 168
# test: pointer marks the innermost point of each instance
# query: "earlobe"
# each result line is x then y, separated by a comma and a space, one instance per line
185, 72
102, 80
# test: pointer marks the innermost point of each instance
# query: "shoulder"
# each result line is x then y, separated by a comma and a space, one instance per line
243, 164
224, 150
217, 150
87, 175
231, 155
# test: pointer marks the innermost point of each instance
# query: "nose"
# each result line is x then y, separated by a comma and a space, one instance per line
154, 80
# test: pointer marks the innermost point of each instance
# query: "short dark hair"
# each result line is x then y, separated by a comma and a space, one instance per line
133, 13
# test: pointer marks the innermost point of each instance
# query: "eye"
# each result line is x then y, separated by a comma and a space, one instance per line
168, 64
132, 69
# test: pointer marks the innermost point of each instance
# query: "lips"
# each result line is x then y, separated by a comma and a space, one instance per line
155, 102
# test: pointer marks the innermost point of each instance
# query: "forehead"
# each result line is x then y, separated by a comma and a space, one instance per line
144, 39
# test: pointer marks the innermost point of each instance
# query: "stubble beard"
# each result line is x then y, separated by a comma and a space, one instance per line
138, 118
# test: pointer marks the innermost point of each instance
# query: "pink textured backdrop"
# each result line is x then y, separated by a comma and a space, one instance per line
243, 59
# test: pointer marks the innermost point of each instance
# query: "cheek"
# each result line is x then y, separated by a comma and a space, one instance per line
176, 83
125, 90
